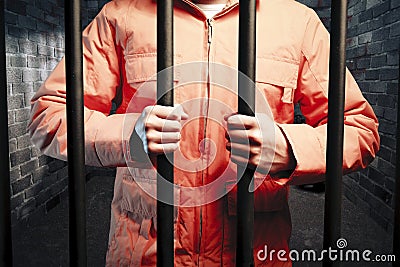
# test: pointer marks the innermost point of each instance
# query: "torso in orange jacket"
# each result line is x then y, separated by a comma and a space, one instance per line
120, 56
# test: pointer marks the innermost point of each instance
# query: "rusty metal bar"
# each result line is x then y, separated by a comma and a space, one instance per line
5, 194
396, 231
165, 168
75, 134
246, 106
334, 154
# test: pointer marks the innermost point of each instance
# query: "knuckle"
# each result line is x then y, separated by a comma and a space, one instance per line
173, 116
255, 150
148, 110
255, 137
175, 146
176, 126
255, 161
150, 122
178, 137
151, 147
151, 136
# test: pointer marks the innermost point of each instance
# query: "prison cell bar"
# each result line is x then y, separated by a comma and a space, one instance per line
75, 134
165, 168
396, 230
246, 106
334, 153
5, 210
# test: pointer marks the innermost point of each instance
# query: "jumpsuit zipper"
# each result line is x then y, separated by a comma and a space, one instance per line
209, 40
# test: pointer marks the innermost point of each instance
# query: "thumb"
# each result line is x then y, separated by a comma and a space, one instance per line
180, 111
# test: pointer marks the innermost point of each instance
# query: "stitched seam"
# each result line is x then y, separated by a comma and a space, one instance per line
132, 58
293, 74
109, 25
281, 59
304, 52
325, 92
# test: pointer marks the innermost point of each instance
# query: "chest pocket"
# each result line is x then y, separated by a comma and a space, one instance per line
276, 79
141, 75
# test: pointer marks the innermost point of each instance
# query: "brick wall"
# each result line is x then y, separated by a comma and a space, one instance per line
322, 7
373, 58
34, 45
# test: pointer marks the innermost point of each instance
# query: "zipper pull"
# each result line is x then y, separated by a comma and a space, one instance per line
209, 30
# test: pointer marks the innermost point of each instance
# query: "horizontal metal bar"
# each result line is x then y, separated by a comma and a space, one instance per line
334, 154
165, 168
5, 211
75, 134
246, 106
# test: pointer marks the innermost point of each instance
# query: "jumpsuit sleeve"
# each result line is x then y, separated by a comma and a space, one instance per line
308, 141
103, 133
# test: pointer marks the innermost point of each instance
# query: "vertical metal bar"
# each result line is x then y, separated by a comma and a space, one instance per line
246, 106
334, 154
75, 133
165, 168
5, 212
396, 231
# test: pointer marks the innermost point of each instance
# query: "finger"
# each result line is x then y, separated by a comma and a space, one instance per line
184, 116
170, 126
241, 122
240, 150
226, 117
170, 113
163, 137
162, 125
179, 110
154, 148
250, 152
250, 137
242, 162
164, 112
238, 136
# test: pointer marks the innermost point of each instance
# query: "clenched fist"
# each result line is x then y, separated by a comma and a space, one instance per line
158, 129
258, 143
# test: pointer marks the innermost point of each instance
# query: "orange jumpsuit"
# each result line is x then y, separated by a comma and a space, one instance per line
120, 56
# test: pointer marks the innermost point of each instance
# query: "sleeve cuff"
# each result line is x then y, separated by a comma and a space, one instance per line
112, 137
309, 154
